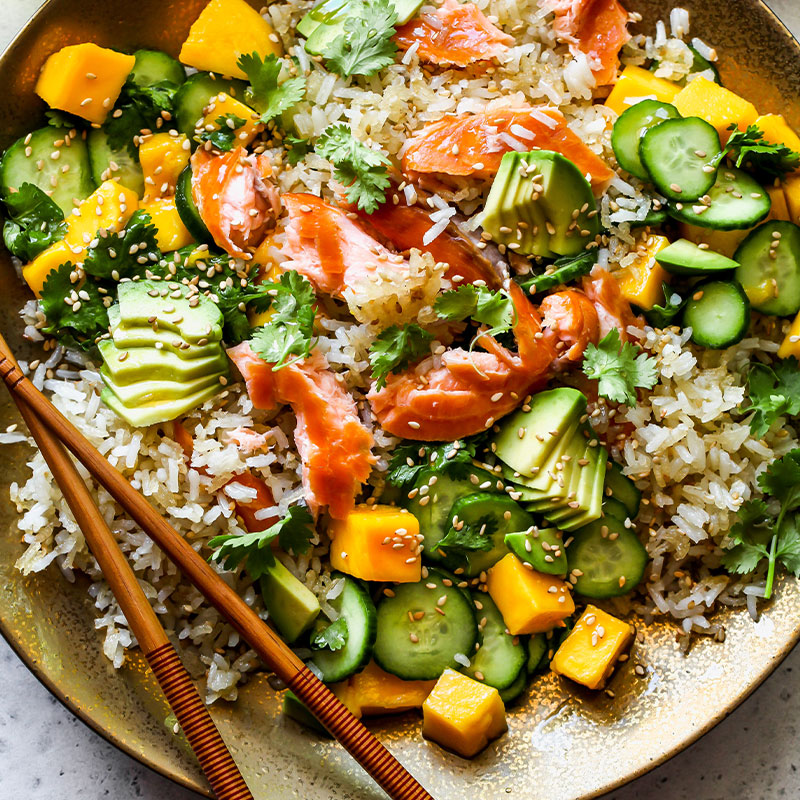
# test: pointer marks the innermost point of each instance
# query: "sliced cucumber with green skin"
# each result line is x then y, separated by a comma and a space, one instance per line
358, 610
675, 152
683, 257
102, 156
433, 515
620, 487
628, 130
737, 201
187, 210
154, 66
70, 188
542, 548
195, 94
514, 692
421, 649
501, 657
499, 514
537, 650
718, 312
615, 508
294, 708
609, 558
769, 268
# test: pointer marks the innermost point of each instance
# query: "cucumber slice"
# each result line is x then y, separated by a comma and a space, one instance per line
542, 548
497, 515
294, 708
537, 650
513, 692
71, 187
718, 313
439, 636
187, 210
737, 201
358, 610
631, 126
677, 155
615, 508
607, 567
620, 487
154, 66
102, 156
683, 257
500, 657
769, 268
194, 95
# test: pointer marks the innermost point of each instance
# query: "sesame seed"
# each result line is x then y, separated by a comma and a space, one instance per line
414, 638
414, 425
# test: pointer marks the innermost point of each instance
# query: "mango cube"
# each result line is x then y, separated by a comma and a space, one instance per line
791, 189
716, 105
223, 105
377, 543
376, 692
779, 208
724, 242
84, 79
37, 271
589, 653
171, 232
347, 695
225, 30
525, 599
463, 714
790, 346
641, 281
777, 131
635, 84
163, 158
110, 206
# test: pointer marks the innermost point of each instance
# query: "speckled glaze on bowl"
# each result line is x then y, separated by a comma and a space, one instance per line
563, 743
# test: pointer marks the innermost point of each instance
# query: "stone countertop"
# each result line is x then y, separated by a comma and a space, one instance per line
48, 754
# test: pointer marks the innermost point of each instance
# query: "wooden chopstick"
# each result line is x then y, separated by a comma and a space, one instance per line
385, 769
191, 712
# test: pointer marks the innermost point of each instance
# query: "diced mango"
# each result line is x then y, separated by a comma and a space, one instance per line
37, 271
525, 599
84, 80
791, 188
171, 232
347, 694
225, 30
790, 346
724, 242
635, 84
641, 282
777, 131
589, 653
779, 208
269, 270
110, 206
463, 714
223, 105
364, 544
163, 158
375, 692
717, 105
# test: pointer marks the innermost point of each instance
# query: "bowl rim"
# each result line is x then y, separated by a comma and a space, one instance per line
38, 671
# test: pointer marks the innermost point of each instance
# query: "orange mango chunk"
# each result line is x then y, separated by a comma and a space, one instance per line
591, 650
524, 598
462, 714
163, 157
779, 208
641, 281
48, 260
364, 544
777, 131
374, 691
225, 30
223, 105
635, 84
171, 233
110, 206
791, 189
790, 346
717, 105
84, 79
724, 242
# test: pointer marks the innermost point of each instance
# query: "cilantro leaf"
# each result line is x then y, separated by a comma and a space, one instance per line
618, 370
773, 392
469, 538
33, 223
663, 316
360, 169
489, 307
751, 150
137, 108
293, 533
410, 459
395, 348
124, 254
562, 270
331, 637
782, 481
224, 137
297, 148
63, 119
269, 97
366, 45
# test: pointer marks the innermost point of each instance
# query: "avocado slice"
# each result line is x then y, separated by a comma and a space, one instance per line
150, 390
552, 414
590, 492
291, 605
150, 363
158, 410
145, 337
567, 469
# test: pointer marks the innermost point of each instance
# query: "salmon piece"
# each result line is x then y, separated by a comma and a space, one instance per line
597, 28
471, 144
456, 33
571, 319
334, 445
234, 198
179, 434
613, 310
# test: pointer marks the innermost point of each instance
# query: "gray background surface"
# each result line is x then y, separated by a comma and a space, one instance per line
47, 754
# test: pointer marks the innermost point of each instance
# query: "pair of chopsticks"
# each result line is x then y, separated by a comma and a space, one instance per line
53, 432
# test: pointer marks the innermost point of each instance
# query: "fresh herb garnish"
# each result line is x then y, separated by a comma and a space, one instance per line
360, 169
126, 253
773, 392
33, 222
269, 97
759, 534
395, 348
663, 316
297, 148
749, 149
224, 137
293, 532
331, 637
290, 330
562, 270
454, 458
486, 306
619, 368
469, 538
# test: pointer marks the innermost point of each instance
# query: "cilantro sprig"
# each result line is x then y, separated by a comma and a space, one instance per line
137, 107
759, 534
33, 222
266, 94
620, 368
360, 169
330, 637
454, 458
395, 348
562, 270
749, 149
773, 392
483, 305
224, 136
662, 316
469, 538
